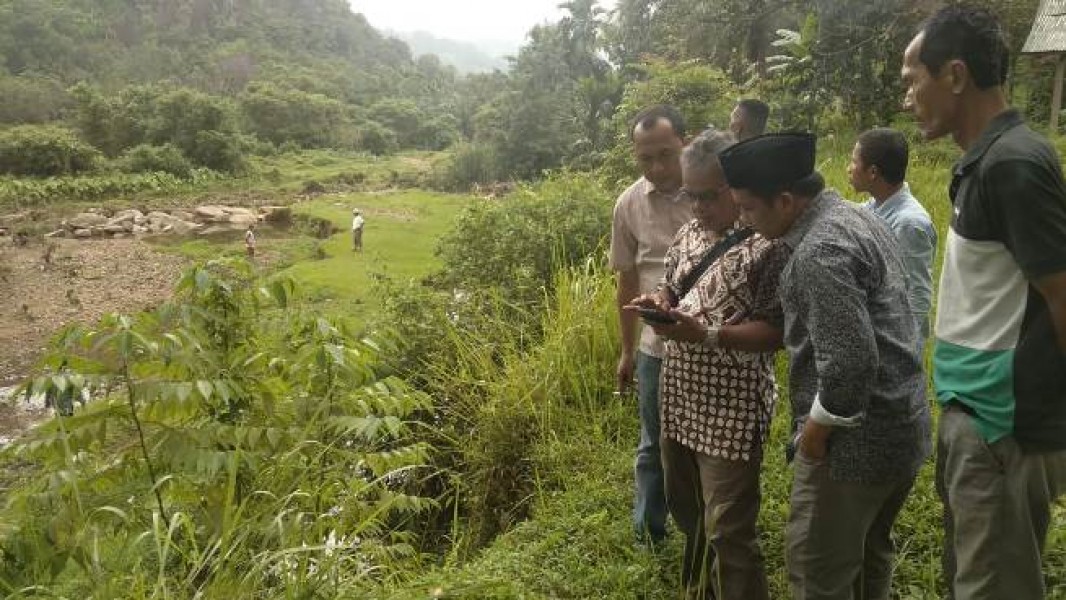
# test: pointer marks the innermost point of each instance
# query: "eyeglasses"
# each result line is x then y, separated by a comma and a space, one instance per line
704, 196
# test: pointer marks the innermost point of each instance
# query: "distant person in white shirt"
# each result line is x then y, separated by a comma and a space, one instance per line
357, 230
249, 241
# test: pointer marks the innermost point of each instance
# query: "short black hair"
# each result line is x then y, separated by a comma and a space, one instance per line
808, 187
756, 113
971, 34
887, 150
648, 117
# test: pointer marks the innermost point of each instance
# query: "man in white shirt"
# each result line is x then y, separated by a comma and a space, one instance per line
357, 230
647, 216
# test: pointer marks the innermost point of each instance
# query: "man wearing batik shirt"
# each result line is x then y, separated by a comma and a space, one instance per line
717, 388
855, 384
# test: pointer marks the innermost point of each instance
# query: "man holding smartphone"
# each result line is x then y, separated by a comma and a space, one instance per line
646, 218
718, 309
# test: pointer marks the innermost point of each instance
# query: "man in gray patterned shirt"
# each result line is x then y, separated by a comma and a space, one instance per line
856, 386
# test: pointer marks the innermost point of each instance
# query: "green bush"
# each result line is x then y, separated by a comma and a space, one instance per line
156, 159
287, 115
377, 139
218, 151
517, 246
469, 164
45, 151
28, 193
31, 99
249, 446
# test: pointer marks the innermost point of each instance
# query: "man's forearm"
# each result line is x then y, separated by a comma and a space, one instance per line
1058, 318
752, 336
1053, 289
628, 289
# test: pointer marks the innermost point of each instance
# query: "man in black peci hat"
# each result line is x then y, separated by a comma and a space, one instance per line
861, 421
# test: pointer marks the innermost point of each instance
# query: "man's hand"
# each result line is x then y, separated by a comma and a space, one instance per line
655, 300
624, 372
687, 328
814, 443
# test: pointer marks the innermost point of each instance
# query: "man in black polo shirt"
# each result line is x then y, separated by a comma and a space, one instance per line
1000, 358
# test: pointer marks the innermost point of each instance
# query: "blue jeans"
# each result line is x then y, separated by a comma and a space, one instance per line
649, 506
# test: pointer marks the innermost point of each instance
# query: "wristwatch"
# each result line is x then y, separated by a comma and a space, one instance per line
710, 339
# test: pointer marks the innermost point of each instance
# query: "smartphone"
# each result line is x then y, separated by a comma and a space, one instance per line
654, 315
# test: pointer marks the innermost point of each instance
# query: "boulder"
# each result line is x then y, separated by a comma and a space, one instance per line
59, 233
82, 234
123, 216
139, 230
183, 215
113, 229
11, 219
243, 219
180, 227
87, 220
157, 215
237, 210
210, 214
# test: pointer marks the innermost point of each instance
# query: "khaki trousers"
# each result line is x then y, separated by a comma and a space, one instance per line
715, 503
838, 538
997, 510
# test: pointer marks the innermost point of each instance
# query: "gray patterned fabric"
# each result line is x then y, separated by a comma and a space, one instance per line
851, 340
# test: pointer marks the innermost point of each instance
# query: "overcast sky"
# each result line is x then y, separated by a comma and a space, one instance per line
468, 20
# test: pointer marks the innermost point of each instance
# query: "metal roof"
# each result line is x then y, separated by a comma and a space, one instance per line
1049, 29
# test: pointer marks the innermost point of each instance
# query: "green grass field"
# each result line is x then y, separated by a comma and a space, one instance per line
399, 240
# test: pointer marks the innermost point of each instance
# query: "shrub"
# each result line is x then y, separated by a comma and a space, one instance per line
218, 151
156, 159
377, 139
250, 445
470, 164
516, 246
45, 151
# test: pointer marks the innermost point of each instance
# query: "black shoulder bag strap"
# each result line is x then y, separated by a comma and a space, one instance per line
709, 259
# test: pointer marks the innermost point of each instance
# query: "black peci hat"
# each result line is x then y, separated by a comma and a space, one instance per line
773, 159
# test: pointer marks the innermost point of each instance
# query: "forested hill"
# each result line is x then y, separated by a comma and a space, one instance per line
214, 45
149, 85
175, 84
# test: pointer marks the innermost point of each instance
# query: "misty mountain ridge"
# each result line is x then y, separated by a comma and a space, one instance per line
481, 56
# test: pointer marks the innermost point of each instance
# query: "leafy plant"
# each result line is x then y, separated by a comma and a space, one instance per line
45, 151
240, 442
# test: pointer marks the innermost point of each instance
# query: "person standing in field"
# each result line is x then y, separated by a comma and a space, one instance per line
999, 365
646, 218
357, 230
879, 167
249, 241
856, 386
